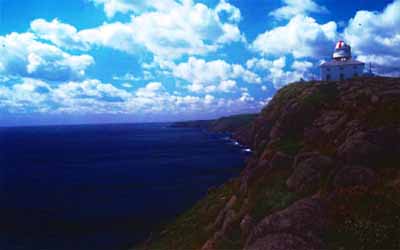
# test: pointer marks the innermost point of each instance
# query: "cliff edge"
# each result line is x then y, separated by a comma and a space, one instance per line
324, 174
237, 125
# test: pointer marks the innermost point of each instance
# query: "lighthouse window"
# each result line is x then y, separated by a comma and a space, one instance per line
328, 77
341, 77
355, 75
341, 68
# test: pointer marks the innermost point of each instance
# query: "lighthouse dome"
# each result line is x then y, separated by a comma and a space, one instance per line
342, 51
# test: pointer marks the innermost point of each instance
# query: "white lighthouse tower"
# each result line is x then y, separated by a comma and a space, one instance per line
342, 66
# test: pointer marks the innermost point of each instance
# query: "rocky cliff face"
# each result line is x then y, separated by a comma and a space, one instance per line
325, 174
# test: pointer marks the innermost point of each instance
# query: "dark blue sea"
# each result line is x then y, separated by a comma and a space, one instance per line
103, 187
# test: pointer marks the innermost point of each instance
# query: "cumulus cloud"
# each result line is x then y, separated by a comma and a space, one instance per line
90, 90
278, 73
301, 37
209, 76
61, 34
126, 77
111, 7
227, 85
184, 28
23, 55
375, 37
233, 12
92, 96
150, 90
297, 7
302, 66
22, 97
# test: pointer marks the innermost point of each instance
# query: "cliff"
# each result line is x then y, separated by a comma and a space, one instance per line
238, 125
325, 174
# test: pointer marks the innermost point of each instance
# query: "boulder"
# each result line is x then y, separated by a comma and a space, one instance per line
354, 176
246, 225
281, 241
374, 99
219, 221
281, 160
305, 219
357, 149
209, 245
371, 147
312, 134
228, 220
308, 170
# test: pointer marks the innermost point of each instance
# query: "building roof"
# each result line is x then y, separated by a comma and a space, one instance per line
341, 63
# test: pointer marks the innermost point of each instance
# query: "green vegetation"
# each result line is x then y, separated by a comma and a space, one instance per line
232, 123
233, 240
290, 91
364, 219
192, 229
266, 199
289, 145
387, 114
325, 93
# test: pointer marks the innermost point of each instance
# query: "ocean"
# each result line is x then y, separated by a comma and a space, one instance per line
104, 187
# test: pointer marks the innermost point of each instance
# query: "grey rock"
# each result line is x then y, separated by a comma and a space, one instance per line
281, 241
281, 160
357, 149
308, 170
306, 219
246, 225
354, 176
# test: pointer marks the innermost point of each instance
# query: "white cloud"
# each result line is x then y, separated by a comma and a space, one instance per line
227, 85
265, 64
24, 96
61, 34
301, 37
302, 66
297, 7
23, 55
246, 97
375, 37
206, 76
89, 92
234, 14
94, 97
208, 99
126, 77
150, 90
111, 7
117, 35
382, 64
278, 73
184, 28
127, 85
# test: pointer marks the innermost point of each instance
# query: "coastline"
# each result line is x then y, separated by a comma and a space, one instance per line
317, 147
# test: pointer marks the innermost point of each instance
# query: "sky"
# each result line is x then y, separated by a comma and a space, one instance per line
108, 61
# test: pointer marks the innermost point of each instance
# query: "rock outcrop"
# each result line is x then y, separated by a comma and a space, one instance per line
324, 174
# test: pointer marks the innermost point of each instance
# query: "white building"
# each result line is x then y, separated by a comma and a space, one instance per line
342, 66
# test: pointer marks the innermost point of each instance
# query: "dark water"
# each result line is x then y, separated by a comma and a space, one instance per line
103, 187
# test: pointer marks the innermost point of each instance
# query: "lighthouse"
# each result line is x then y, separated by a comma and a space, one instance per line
342, 66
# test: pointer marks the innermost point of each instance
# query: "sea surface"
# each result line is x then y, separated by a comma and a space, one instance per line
104, 187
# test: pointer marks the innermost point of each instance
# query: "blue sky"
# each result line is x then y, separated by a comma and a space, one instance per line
90, 61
